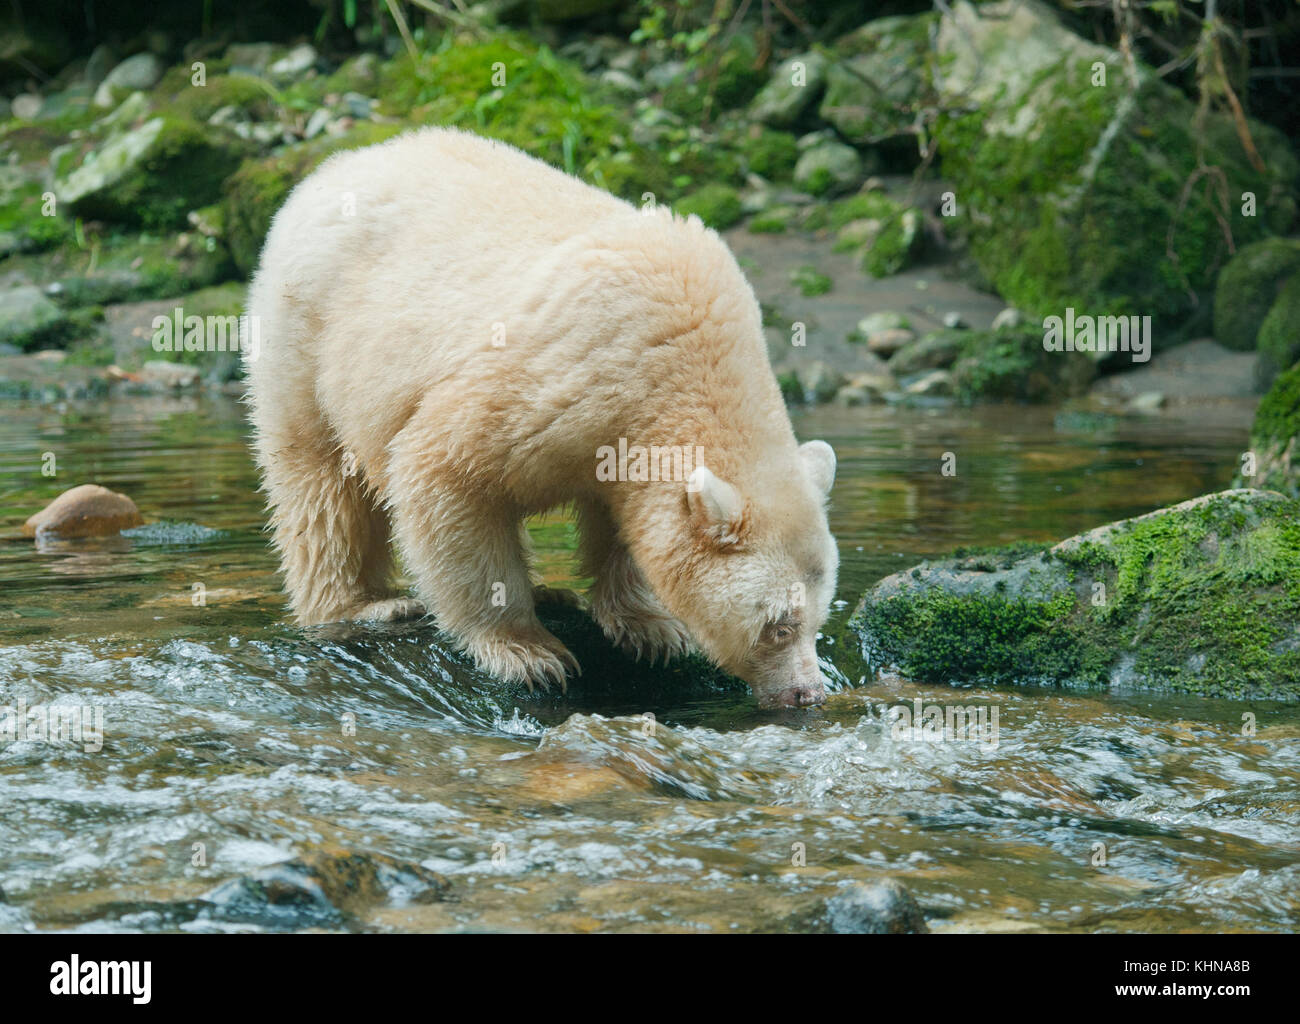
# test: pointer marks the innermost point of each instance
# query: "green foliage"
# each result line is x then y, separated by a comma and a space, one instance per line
1279, 334
810, 281
1248, 286
717, 205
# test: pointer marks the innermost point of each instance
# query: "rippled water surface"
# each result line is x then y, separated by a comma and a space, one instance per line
257, 777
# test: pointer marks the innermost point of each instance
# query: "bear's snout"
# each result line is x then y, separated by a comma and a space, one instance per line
800, 696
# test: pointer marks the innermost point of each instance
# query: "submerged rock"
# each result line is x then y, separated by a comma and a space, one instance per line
86, 511
886, 907
1201, 597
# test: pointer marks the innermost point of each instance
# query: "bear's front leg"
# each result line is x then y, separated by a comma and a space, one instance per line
466, 551
620, 600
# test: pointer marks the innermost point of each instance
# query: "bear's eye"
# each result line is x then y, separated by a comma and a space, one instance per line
781, 632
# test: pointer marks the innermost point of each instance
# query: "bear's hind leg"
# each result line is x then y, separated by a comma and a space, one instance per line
620, 599
332, 537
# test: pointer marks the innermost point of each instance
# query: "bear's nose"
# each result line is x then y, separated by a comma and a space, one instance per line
801, 696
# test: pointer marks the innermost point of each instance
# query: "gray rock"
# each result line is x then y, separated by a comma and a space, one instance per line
828, 168
872, 93
298, 61
139, 72
316, 123
885, 343
795, 86
934, 383
358, 106
885, 320
622, 83
102, 60
26, 106
661, 76
1009, 317
251, 57
821, 382
1147, 403
26, 314
953, 321
163, 375
878, 908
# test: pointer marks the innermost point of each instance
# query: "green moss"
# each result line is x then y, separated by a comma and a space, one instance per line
251, 94
1275, 437
769, 153
717, 205
882, 230
1247, 288
1011, 364
1046, 237
810, 281
1279, 334
1202, 600
775, 220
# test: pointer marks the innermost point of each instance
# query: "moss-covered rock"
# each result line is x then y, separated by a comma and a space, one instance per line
1070, 189
884, 233
1275, 437
769, 153
874, 88
717, 205
1202, 597
1279, 335
1011, 364
795, 86
152, 175
1247, 287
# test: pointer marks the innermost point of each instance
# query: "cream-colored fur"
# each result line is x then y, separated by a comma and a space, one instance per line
450, 330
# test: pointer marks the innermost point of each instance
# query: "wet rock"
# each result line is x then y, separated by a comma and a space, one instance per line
795, 85
882, 321
1125, 605
322, 888
954, 321
86, 511
821, 382
886, 907
852, 395
316, 123
828, 168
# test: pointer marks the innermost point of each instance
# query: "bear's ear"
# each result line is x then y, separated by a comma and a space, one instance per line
819, 458
716, 507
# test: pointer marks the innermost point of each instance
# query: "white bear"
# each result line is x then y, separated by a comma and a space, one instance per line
453, 336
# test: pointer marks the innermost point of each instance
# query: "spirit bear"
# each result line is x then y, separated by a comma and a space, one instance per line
454, 336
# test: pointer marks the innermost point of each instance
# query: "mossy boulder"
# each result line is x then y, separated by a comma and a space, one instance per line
1069, 189
1275, 437
769, 153
1247, 287
28, 318
1201, 598
880, 78
882, 232
1278, 343
152, 175
794, 87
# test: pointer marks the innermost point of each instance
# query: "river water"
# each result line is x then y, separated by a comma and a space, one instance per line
252, 776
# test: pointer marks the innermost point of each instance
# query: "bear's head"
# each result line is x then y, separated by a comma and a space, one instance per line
760, 574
